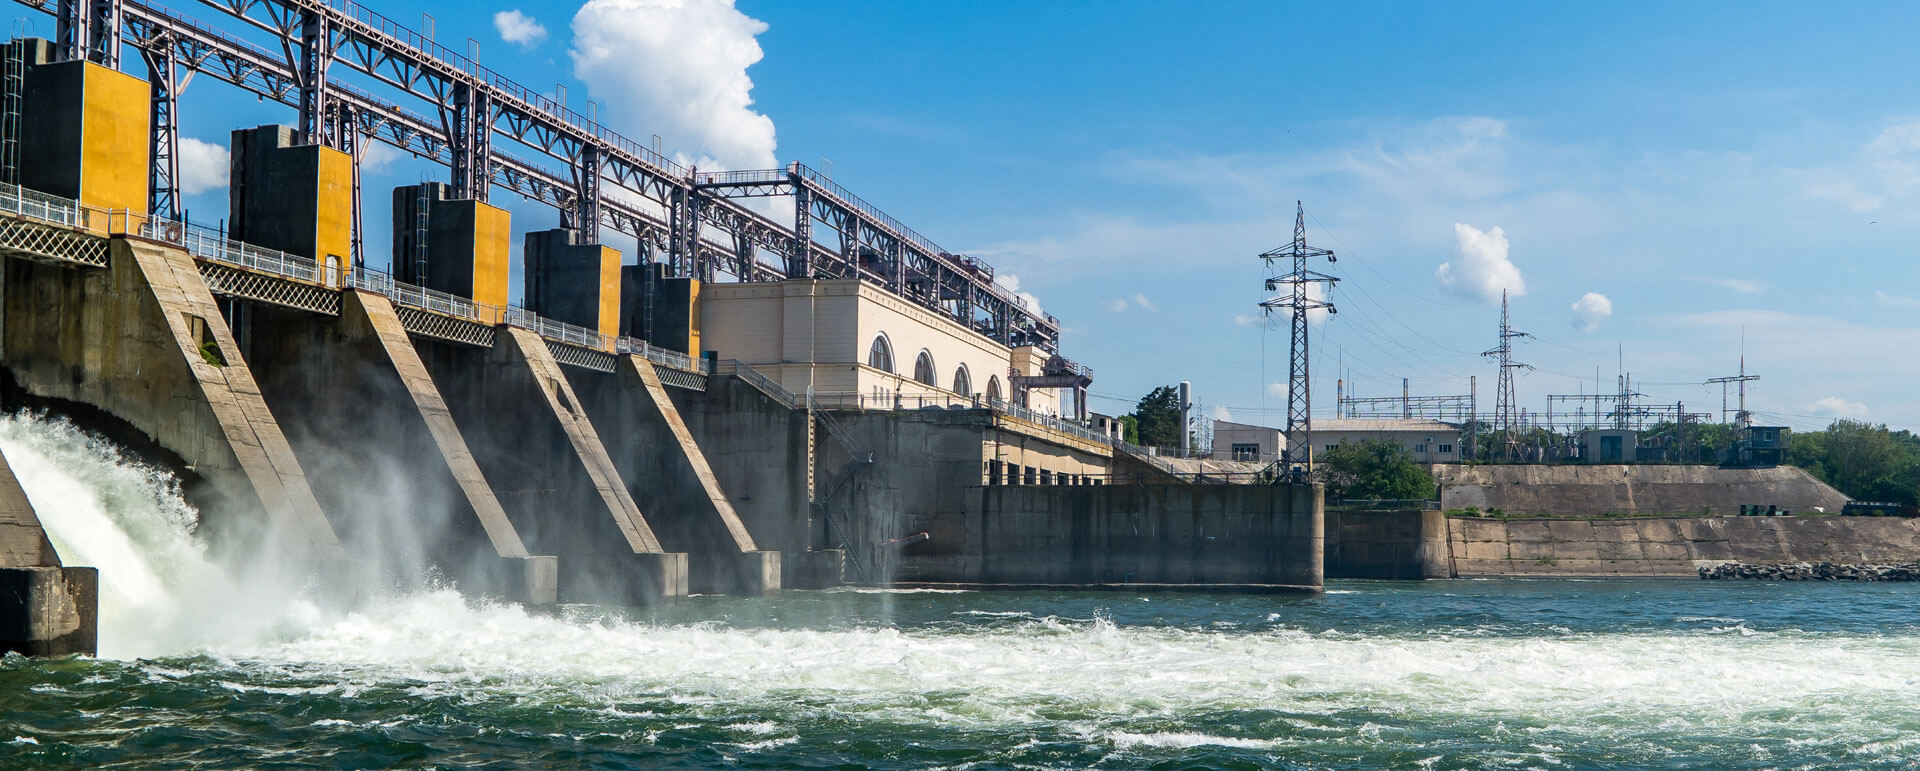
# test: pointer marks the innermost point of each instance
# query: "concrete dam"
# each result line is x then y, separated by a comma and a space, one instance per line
729, 405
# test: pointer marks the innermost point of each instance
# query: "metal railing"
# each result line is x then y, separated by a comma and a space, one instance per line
34, 204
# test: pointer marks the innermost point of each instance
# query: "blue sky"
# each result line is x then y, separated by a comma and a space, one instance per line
1708, 168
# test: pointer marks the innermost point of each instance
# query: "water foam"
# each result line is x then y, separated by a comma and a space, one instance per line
159, 591
1134, 689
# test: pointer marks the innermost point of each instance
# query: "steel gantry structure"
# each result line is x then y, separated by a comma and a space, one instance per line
690, 220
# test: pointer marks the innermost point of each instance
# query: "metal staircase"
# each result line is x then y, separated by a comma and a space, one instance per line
857, 459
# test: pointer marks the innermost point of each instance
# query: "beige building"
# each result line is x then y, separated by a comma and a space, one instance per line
847, 339
1428, 441
1240, 441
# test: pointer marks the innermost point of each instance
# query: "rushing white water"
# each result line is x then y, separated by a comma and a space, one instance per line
159, 591
1245, 675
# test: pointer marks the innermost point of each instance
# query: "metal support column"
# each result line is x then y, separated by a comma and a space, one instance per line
469, 126
315, 55
164, 82
800, 265
586, 204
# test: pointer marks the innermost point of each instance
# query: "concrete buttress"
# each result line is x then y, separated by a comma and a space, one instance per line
544, 459
389, 463
45, 609
143, 345
672, 481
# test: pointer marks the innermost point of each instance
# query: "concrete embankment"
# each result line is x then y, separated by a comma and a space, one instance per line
1426, 544
1217, 537
1672, 546
1598, 490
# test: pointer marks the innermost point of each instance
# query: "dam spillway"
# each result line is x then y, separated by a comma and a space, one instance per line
732, 405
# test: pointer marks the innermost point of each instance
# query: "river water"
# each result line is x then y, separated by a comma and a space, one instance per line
198, 668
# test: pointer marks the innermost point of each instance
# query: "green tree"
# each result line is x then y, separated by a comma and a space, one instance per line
1378, 469
1130, 429
1157, 418
1865, 461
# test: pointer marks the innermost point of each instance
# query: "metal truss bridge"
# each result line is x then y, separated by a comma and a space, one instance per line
60, 231
690, 219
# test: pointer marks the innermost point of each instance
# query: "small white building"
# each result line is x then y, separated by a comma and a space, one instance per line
1239, 441
1428, 441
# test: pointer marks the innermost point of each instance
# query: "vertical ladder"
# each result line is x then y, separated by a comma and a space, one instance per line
13, 84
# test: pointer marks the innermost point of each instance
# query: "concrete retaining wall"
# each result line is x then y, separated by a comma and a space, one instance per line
1387, 544
1597, 490
1670, 546
1112, 536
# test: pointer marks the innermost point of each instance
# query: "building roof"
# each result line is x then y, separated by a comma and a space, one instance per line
1384, 424
1230, 425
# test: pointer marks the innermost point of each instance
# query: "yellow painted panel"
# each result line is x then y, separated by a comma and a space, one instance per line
114, 138
609, 291
693, 317
492, 229
333, 210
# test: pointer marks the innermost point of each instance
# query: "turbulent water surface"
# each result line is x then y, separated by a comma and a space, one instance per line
200, 668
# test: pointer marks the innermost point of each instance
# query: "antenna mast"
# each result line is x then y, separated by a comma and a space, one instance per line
1294, 297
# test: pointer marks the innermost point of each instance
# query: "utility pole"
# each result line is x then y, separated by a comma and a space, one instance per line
1293, 297
1503, 418
1741, 418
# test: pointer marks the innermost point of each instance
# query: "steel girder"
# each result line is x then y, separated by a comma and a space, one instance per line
897, 257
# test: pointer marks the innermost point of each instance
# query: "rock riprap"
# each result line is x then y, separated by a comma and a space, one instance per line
1810, 571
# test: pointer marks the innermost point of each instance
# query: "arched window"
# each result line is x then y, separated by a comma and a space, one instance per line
923, 369
880, 356
962, 381
993, 387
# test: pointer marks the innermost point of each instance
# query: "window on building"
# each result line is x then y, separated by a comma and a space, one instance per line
1446, 448
962, 381
880, 355
1246, 451
1420, 448
1331, 446
923, 369
993, 387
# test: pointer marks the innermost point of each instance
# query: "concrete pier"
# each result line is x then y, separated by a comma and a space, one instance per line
395, 470
45, 609
143, 344
531, 437
671, 481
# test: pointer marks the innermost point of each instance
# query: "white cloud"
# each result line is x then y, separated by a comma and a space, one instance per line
1221, 413
1116, 305
1140, 301
1122, 304
1249, 319
519, 29
677, 68
1741, 285
1838, 407
1480, 269
1897, 301
203, 166
1011, 283
1591, 309
1277, 389
378, 156
1887, 168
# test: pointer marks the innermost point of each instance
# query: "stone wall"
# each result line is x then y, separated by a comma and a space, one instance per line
1111, 536
1672, 546
1595, 490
